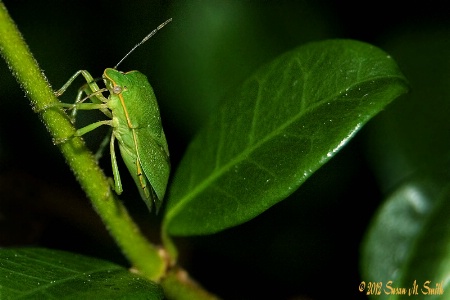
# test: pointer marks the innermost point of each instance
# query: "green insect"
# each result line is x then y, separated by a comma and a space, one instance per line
136, 124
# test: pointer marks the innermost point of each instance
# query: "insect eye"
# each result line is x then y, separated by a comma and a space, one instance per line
117, 89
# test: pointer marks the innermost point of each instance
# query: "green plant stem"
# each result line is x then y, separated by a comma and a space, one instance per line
178, 285
142, 255
148, 259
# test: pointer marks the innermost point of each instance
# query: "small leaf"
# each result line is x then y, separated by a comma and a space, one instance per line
285, 122
35, 273
409, 239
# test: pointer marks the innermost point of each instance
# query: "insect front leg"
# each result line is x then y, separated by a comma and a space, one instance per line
91, 89
87, 76
96, 98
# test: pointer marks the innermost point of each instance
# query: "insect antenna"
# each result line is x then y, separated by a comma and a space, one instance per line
144, 40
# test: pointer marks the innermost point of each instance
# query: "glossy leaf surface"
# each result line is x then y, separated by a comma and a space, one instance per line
272, 133
35, 273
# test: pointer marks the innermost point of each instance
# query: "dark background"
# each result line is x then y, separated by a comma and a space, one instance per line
306, 246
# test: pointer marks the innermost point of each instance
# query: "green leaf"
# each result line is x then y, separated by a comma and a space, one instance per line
36, 273
409, 239
271, 134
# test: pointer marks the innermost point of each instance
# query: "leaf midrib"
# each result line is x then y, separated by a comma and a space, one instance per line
218, 172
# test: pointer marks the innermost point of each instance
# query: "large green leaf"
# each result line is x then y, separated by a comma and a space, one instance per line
35, 273
271, 134
409, 239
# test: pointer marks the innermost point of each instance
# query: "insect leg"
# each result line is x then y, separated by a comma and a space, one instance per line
85, 106
95, 97
115, 167
91, 127
89, 79
84, 130
91, 89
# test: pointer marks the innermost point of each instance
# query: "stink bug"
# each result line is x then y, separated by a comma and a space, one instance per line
136, 124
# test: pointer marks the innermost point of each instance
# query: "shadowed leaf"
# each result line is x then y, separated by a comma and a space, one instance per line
34, 273
409, 239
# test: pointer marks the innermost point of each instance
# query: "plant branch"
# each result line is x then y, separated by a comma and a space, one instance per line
142, 255
178, 285
146, 258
